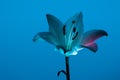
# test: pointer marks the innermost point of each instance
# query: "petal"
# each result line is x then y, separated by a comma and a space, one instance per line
54, 23
91, 46
91, 36
74, 25
74, 51
47, 36
55, 27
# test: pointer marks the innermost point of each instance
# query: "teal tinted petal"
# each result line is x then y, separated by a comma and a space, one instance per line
73, 51
91, 36
56, 28
80, 30
47, 36
55, 25
74, 29
92, 46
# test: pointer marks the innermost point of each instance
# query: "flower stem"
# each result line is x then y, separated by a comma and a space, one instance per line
67, 68
67, 72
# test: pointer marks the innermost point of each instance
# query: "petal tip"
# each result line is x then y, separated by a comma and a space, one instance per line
106, 34
81, 13
47, 15
33, 40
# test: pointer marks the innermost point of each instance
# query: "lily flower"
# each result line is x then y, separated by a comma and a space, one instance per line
69, 37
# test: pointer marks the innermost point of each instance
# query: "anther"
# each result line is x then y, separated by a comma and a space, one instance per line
73, 21
75, 36
64, 29
74, 29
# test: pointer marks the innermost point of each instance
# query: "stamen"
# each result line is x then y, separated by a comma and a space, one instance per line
75, 36
74, 29
64, 29
71, 33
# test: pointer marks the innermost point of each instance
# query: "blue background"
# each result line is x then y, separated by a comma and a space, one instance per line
21, 59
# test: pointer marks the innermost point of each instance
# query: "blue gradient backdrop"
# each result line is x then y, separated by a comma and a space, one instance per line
21, 59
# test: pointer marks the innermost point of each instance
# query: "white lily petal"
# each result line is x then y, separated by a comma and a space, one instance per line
61, 51
75, 53
79, 49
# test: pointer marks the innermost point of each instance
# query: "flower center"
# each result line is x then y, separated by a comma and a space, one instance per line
72, 34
